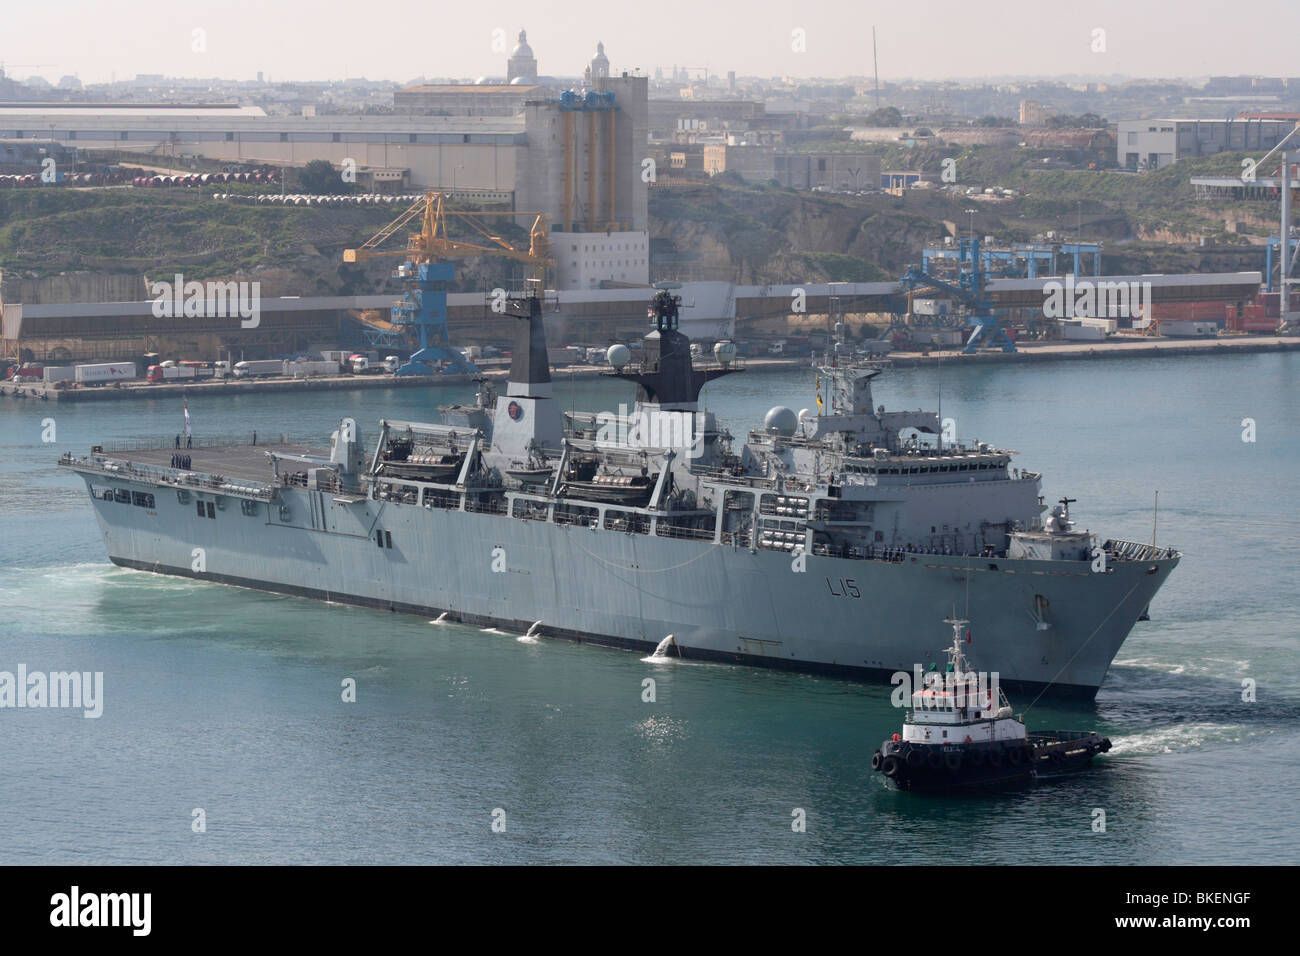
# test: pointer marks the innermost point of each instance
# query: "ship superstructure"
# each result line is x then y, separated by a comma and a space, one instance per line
821, 543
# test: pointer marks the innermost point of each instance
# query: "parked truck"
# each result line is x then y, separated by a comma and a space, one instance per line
64, 373
168, 373
260, 367
102, 372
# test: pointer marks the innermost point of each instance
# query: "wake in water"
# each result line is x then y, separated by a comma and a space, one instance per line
661, 651
1179, 738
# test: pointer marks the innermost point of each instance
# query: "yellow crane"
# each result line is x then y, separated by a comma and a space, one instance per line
431, 242
423, 308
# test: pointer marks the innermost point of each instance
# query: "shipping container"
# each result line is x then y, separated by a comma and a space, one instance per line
102, 372
65, 373
308, 368
1188, 329
338, 356
1076, 331
260, 367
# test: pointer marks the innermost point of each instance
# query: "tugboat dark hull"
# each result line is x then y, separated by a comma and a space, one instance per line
943, 767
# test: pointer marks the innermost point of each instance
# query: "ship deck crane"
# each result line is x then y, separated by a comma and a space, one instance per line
423, 309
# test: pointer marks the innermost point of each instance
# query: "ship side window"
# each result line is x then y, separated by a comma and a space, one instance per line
122, 496
379, 539
142, 499
105, 495
199, 507
212, 510
388, 539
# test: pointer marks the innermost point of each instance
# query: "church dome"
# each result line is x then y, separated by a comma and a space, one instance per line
523, 49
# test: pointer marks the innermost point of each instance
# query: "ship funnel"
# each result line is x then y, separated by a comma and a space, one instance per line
346, 453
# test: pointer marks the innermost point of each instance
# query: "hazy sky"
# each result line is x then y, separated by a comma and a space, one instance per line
400, 39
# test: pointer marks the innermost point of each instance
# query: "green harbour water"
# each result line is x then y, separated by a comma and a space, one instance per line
229, 700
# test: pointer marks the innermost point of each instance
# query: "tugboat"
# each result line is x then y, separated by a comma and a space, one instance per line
958, 737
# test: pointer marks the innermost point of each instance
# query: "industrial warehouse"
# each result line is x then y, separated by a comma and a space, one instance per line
580, 157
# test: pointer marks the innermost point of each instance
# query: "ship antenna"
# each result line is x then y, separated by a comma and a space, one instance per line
1155, 517
940, 365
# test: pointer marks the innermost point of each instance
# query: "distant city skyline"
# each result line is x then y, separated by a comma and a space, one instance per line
934, 39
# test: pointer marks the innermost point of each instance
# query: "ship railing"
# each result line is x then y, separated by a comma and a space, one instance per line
210, 441
1120, 550
890, 555
580, 518
1059, 736
678, 531
724, 475
171, 477
486, 506
740, 539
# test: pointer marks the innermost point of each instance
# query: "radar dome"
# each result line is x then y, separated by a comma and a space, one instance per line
619, 355
805, 414
725, 353
780, 421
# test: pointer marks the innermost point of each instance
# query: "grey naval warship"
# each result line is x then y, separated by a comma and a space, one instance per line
825, 543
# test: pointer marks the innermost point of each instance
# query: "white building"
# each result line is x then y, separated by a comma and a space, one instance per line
583, 260
1153, 144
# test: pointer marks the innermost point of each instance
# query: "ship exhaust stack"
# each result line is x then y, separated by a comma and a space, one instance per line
526, 418
346, 453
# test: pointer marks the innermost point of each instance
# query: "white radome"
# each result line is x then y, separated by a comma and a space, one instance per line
618, 355
780, 421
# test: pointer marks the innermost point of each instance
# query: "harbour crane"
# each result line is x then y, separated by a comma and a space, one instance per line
423, 309
1286, 258
969, 290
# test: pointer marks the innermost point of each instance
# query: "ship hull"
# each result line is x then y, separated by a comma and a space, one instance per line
860, 618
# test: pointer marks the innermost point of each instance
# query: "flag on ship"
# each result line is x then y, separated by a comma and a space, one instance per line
187, 416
